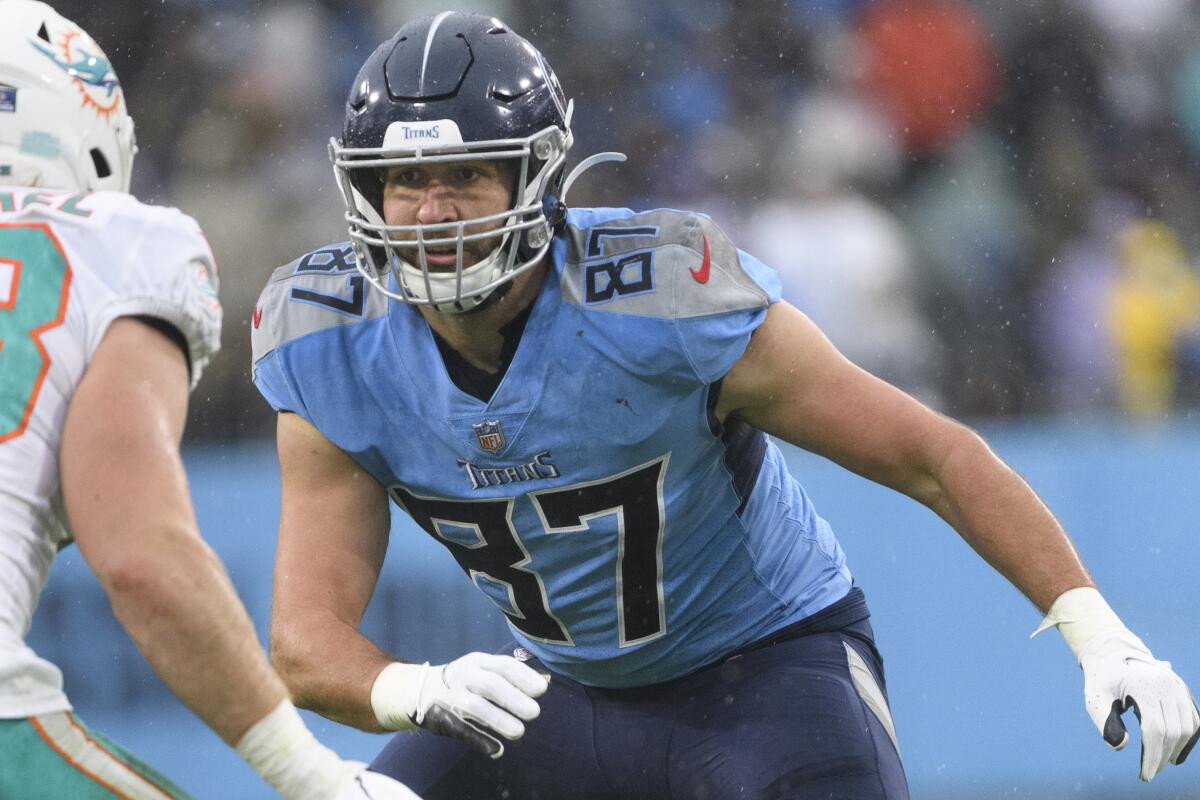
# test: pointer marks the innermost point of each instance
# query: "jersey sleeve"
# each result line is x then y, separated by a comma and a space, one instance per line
268, 332
166, 271
683, 299
272, 381
319, 294
713, 342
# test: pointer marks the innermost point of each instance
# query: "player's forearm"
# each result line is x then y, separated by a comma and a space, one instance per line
328, 666
1001, 517
176, 602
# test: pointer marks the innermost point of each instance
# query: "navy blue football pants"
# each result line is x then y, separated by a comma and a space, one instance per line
800, 719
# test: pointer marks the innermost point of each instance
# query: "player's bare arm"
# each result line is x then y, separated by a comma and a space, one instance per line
138, 318
330, 506
794, 384
127, 498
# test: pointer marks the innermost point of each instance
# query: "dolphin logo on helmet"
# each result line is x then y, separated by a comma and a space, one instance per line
91, 68
92, 72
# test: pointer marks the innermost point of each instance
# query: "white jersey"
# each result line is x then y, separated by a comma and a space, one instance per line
70, 265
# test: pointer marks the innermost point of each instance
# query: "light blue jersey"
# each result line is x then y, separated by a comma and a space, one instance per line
627, 535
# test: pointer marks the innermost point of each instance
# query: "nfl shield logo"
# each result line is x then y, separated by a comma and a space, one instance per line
490, 435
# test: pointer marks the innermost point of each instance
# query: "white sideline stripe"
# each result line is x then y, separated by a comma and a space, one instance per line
429, 43
868, 689
90, 758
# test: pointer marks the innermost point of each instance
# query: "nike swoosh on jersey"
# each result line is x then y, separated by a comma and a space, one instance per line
701, 275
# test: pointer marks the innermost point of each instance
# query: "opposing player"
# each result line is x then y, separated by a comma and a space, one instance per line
576, 403
108, 311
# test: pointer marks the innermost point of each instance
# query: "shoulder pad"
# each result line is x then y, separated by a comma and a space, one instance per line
661, 263
319, 290
138, 259
157, 262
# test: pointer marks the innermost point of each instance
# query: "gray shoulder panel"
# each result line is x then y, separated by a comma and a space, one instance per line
321, 289
660, 263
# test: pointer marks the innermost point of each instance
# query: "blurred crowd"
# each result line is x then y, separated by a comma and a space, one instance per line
992, 204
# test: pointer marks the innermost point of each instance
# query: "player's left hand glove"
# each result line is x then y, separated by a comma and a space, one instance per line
1119, 673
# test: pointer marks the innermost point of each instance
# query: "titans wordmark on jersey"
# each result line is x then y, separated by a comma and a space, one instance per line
627, 535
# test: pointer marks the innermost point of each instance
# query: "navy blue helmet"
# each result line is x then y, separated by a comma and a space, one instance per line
445, 88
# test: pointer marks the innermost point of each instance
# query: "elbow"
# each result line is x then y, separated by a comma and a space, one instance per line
293, 661
131, 577
960, 443
146, 594
150, 578
151, 565
954, 449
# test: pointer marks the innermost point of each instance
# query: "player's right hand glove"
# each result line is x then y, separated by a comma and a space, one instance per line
367, 785
1119, 673
476, 698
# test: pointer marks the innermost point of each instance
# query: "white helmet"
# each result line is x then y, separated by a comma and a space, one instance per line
63, 123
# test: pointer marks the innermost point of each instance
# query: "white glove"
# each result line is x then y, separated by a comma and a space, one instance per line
1119, 673
472, 698
368, 785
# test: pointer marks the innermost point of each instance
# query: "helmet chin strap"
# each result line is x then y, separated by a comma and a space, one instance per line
472, 300
493, 297
408, 273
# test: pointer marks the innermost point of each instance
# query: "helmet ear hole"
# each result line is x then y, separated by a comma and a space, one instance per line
103, 170
43, 34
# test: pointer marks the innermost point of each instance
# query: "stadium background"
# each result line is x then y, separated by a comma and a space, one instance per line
991, 204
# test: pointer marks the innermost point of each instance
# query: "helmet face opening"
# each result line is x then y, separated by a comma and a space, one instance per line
396, 258
473, 92
63, 123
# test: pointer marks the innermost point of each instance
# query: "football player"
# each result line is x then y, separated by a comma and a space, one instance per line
108, 314
576, 403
